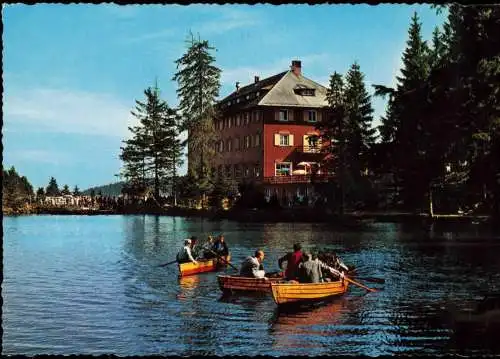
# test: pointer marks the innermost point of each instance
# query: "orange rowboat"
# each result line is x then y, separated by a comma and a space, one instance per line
208, 265
229, 283
304, 293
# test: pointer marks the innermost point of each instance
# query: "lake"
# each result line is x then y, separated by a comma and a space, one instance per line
92, 285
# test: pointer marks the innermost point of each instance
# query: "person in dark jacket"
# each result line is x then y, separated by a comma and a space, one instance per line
292, 260
310, 270
220, 246
252, 266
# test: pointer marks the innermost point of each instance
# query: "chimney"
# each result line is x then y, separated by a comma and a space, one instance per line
296, 67
256, 79
237, 86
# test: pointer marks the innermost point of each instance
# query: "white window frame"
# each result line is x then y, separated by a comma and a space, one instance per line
247, 141
284, 118
229, 145
284, 136
279, 173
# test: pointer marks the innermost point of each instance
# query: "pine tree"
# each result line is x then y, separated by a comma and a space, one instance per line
40, 193
76, 191
360, 113
52, 188
65, 190
152, 155
198, 87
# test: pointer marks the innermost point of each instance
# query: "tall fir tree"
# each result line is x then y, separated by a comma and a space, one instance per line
152, 155
198, 87
360, 112
52, 188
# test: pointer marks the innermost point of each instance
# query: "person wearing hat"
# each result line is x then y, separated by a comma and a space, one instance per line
184, 255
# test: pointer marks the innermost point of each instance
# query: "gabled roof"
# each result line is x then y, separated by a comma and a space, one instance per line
264, 84
278, 90
283, 94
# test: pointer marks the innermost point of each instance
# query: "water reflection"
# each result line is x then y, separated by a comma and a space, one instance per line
101, 274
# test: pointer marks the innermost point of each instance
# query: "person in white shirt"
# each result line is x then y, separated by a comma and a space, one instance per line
252, 266
184, 255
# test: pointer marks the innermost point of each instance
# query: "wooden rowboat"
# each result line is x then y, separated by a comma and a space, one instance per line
287, 293
229, 283
208, 265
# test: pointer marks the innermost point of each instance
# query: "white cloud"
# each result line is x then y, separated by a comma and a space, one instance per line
67, 111
41, 156
160, 34
122, 11
228, 19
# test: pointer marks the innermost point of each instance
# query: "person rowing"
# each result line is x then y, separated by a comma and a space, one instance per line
310, 270
184, 255
292, 260
220, 246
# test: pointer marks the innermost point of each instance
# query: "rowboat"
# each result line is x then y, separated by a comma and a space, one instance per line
287, 293
229, 283
207, 265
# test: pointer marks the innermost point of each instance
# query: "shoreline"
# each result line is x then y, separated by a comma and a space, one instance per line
276, 215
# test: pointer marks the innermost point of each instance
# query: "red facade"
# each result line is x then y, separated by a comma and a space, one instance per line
270, 143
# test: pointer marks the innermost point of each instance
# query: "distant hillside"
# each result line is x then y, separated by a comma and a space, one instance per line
112, 189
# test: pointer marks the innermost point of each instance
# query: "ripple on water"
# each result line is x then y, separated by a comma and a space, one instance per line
76, 285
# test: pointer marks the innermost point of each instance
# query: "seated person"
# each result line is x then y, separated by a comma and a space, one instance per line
310, 271
184, 255
252, 266
208, 248
220, 246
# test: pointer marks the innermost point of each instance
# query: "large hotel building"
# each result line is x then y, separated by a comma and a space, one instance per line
267, 133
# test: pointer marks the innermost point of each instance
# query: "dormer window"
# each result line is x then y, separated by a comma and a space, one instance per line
304, 91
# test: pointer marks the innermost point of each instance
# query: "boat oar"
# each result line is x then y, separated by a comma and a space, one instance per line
359, 284
223, 259
166, 264
372, 279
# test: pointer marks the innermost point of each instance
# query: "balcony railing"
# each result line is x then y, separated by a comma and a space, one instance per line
297, 179
310, 149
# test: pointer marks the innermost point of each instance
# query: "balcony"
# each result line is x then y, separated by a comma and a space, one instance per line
296, 179
311, 149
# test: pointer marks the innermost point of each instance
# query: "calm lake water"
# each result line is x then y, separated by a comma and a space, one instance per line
92, 285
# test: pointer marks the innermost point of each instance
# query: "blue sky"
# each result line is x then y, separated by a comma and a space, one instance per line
72, 72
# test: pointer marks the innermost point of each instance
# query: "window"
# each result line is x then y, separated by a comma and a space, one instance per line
237, 170
256, 141
238, 100
247, 171
221, 146
237, 144
228, 171
283, 139
229, 121
283, 168
256, 171
247, 141
246, 120
229, 145
283, 115
311, 116
238, 120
